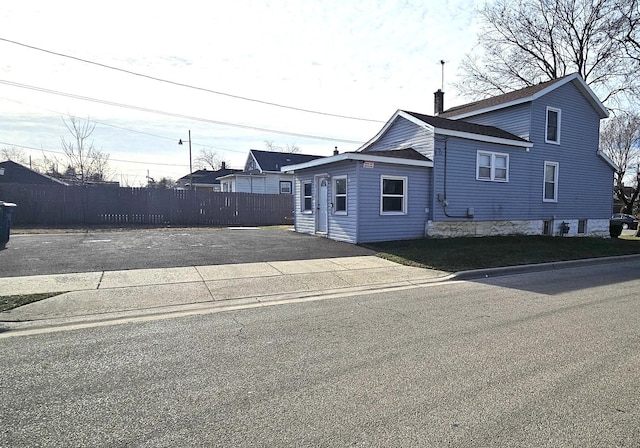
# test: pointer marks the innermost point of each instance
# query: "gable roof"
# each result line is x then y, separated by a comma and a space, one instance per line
16, 173
453, 128
273, 161
525, 95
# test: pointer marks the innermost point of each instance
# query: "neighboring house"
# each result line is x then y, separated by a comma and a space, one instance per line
205, 179
526, 162
12, 172
262, 173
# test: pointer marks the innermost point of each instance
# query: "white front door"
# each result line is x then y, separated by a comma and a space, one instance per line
321, 223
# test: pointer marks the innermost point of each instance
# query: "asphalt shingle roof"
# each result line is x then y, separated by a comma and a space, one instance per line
497, 100
273, 161
464, 126
406, 153
208, 177
16, 173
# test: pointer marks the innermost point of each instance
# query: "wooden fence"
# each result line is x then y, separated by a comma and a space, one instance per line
95, 205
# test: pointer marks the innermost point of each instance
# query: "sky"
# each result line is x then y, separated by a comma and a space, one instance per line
311, 73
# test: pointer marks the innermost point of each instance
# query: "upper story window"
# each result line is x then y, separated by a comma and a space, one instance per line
340, 195
306, 198
550, 192
553, 126
492, 166
393, 199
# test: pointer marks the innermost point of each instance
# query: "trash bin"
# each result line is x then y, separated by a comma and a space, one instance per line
6, 210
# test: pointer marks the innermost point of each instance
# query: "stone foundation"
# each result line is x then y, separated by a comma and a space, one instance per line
442, 229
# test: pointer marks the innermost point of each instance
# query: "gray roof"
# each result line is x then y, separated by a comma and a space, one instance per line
500, 99
273, 161
208, 177
17, 173
464, 126
406, 153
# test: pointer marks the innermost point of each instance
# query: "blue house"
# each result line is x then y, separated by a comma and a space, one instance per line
526, 162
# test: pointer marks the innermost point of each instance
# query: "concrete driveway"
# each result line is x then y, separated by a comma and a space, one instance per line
60, 253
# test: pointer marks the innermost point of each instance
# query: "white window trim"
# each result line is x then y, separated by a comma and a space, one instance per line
556, 165
286, 182
307, 211
493, 166
405, 196
546, 125
335, 195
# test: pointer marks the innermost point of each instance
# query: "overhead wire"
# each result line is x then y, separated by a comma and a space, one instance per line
164, 137
110, 159
189, 86
173, 114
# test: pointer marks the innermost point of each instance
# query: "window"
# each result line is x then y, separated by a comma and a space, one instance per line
340, 195
546, 228
492, 166
550, 193
553, 126
582, 226
285, 187
306, 198
393, 199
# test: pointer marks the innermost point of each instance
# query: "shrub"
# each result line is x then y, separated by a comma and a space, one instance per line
615, 229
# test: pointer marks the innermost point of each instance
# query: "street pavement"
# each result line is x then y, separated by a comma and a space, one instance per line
103, 295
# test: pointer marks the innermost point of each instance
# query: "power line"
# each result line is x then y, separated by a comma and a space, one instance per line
171, 114
110, 159
203, 89
164, 137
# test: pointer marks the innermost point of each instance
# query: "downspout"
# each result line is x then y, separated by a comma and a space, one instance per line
444, 201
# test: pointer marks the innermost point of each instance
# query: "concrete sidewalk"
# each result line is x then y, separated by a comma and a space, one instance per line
110, 293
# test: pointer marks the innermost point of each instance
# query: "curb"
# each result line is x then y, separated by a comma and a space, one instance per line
539, 267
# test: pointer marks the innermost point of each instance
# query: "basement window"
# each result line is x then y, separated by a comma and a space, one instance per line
582, 226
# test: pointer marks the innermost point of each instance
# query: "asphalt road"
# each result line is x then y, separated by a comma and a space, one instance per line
548, 359
61, 253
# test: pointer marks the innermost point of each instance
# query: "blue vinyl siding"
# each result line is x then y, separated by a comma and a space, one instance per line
490, 200
376, 227
515, 119
363, 221
405, 134
585, 181
344, 227
340, 227
303, 222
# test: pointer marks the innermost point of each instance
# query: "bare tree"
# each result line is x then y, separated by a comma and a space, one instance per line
211, 158
531, 41
84, 159
289, 147
163, 183
14, 154
620, 141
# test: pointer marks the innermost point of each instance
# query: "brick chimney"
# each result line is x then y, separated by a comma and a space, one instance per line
438, 102
223, 165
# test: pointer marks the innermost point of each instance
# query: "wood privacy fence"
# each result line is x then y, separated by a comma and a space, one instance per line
95, 205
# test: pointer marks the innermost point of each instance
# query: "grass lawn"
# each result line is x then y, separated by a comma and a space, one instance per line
10, 302
460, 254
